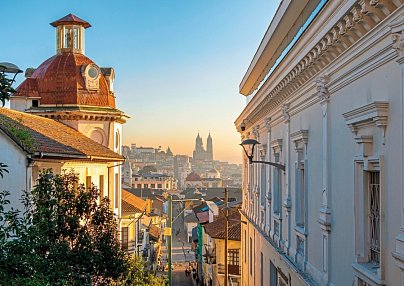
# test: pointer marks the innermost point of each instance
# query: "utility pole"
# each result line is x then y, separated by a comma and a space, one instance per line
169, 239
226, 267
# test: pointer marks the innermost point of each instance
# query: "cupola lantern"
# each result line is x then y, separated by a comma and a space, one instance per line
70, 34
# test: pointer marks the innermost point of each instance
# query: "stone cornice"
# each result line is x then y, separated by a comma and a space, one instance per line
375, 113
79, 115
301, 135
357, 21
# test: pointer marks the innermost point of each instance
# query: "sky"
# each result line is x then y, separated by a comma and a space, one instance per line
178, 63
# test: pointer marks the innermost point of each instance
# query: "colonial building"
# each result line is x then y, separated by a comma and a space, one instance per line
325, 96
69, 93
133, 209
214, 252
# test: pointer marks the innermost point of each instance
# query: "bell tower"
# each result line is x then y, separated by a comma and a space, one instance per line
70, 34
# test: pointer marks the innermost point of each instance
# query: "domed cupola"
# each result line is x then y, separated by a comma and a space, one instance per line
71, 88
67, 79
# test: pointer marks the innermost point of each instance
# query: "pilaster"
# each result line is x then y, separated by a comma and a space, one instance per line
325, 210
397, 36
269, 189
287, 203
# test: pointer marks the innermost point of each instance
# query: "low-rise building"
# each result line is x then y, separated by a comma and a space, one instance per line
133, 209
214, 250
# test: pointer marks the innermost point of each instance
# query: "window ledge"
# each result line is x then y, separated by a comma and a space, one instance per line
368, 272
301, 231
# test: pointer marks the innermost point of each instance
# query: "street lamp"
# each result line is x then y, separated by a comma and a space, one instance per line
169, 240
5, 84
10, 68
249, 145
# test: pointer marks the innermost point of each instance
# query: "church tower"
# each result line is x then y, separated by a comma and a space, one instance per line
209, 148
199, 151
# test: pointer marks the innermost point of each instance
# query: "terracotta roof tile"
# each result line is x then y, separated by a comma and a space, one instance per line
216, 229
137, 203
71, 19
59, 80
52, 138
129, 208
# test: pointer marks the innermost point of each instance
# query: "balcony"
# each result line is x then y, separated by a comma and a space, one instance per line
233, 269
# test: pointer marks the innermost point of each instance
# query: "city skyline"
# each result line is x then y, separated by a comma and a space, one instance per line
177, 64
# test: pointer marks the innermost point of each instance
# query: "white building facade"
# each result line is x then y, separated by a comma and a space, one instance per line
328, 105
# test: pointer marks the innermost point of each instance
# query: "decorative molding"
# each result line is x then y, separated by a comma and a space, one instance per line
398, 43
268, 124
256, 132
285, 112
362, 17
276, 145
397, 35
372, 114
365, 143
263, 151
322, 90
300, 137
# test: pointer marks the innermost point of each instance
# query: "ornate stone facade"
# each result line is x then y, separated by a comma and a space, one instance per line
332, 112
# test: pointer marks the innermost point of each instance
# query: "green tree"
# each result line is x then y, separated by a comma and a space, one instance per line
137, 275
147, 170
6, 89
66, 236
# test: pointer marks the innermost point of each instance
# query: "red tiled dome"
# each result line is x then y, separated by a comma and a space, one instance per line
193, 177
59, 80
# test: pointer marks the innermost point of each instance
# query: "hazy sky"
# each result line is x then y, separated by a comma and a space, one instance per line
178, 63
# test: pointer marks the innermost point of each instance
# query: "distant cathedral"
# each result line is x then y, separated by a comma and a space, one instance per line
200, 153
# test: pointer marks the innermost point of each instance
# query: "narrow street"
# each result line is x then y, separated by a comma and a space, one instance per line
182, 254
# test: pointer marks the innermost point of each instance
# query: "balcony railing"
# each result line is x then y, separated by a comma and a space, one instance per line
232, 269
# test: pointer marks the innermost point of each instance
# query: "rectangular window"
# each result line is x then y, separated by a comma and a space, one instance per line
245, 246
251, 256
276, 228
277, 187
262, 269
139, 186
116, 190
153, 186
233, 257
125, 237
159, 186
374, 216
273, 275
300, 195
88, 182
75, 38
101, 185
263, 184
300, 245
145, 186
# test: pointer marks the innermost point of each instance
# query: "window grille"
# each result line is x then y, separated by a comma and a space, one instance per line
300, 245
276, 228
277, 187
234, 257
374, 216
125, 238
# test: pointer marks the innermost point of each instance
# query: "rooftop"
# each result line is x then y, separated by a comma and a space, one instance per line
47, 138
70, 19
137, 204
216, 229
